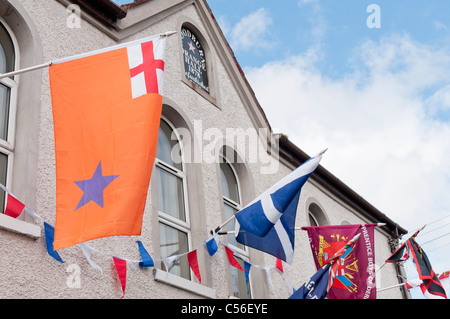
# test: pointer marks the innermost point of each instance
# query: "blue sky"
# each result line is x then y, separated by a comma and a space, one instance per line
378, 98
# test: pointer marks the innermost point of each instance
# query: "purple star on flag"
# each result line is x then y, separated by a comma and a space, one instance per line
93, 188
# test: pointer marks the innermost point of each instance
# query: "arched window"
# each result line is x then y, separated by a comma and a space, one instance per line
8, 88
232, 204
174, 224
316, 215
194, 57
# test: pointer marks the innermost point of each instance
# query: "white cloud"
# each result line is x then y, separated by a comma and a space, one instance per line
302, 3
252, 31
383, 140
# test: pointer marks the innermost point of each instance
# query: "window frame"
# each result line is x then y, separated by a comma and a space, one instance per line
12, 83
212, 95
232, 203
242, 254
7, 147
166, 219
315, 211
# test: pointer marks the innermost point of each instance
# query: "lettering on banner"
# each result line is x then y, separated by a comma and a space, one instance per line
194, 60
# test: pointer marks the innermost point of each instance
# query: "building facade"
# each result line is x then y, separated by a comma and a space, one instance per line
216, 153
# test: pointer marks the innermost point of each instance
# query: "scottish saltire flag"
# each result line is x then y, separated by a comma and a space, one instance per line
106, 111
268, 223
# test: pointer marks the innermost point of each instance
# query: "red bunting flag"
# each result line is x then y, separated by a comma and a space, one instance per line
121, 267
279, 265
13, 207
193, 263
233, 260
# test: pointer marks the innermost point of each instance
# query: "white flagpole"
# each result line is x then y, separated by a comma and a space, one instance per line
48, 64
391, 287
32, 68
229, 220
296, 228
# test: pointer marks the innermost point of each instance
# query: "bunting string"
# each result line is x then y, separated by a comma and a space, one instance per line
16, 208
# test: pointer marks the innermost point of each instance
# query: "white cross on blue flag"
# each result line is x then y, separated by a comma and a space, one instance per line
268, 223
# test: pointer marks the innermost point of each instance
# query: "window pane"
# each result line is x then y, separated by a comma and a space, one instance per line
3, 170
230, 211
170, 194
6, 51
312, 220
229, 183
174, 242
4, 111
167, 147
240, 289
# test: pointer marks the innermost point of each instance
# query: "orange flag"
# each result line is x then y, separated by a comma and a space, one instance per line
106, 111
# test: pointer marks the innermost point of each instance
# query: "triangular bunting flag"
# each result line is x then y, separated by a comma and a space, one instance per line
233, 261
147, 260
193, 263
87, 251
247, 267
279, 265
49, 237
13, 207
121, 267
212, 246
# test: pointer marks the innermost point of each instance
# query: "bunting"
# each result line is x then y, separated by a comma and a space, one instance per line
233, 261
279, 265
121, 267
193, 263
211, 245
147, 260
13, 207
49, 237
247, 267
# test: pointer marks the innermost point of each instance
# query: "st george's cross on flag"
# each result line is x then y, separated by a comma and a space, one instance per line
268, 223
106, 111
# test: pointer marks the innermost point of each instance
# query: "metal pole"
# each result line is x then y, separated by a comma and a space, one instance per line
46, 65
391, 287
217, 230
223, 224
381, 267
32, 68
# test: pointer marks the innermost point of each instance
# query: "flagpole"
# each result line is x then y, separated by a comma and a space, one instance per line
229, 220
381, 267
48, 64
168, 34
217, 230
32, 68
391, 287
